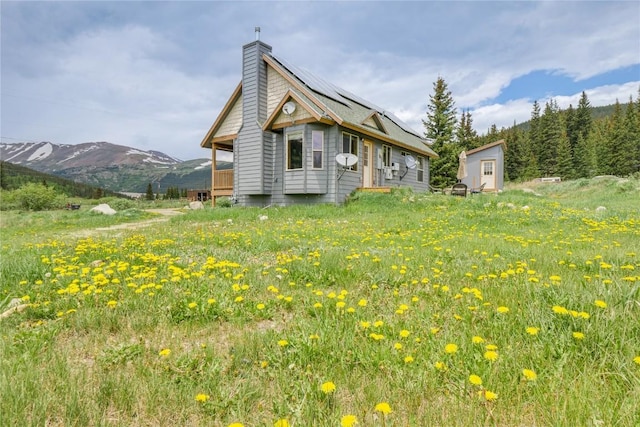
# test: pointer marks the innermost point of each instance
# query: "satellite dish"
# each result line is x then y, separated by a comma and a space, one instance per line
410, 162
346, 159
288, 108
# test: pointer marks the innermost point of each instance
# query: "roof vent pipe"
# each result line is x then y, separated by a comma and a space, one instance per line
257, 29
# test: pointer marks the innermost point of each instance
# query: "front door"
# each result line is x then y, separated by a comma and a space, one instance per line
488, 174
367, 161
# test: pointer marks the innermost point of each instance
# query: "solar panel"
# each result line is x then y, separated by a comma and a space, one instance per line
340, 95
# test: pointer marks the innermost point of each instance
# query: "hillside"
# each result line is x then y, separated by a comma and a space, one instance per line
110, 166
14, 176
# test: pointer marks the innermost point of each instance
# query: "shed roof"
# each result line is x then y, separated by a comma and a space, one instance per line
487, 146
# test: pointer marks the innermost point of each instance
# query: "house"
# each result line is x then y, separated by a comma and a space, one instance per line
485, 165
295, 138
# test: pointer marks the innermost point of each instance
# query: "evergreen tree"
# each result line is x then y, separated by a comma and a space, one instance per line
585, 159
466, 136
613, 156
439, 128
550, 133
149, 195
3, 179
564, 158
535, 138
630, 143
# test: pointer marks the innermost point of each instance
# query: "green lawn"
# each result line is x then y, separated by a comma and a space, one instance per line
400, 309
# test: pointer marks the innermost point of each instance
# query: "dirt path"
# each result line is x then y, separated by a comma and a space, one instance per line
165, 215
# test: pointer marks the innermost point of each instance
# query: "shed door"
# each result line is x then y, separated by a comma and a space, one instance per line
488, 174
367, 160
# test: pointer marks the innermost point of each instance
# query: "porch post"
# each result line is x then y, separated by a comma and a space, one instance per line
213, 175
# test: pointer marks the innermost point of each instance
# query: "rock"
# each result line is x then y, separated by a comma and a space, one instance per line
600, 209
104, 208
196, 205
263, 217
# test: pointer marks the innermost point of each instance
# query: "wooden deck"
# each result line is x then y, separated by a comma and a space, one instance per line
222, 183
374, 189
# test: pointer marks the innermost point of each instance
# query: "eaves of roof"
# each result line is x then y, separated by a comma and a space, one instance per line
207, 140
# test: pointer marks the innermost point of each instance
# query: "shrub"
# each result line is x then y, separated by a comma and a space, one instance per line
38, 197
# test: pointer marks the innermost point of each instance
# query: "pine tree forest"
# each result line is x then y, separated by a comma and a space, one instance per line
568, 143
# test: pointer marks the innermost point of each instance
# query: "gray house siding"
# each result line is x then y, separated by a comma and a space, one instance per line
251, 142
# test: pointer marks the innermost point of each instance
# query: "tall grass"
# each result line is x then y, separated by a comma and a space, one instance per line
510, 309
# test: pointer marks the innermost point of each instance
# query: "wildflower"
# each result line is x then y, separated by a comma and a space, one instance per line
235, 425
491, 355
491, 347
283, 343
532, 330
112, 304
600, 303
348, 421
328, 387
282, 423
477, 340
383, 407
529, 374
192, 305
364, 325
440, 366
314, 337
502, 309
559, 310
239, 299
450, 348
201, 397
164, 352
260, 306
578, 335
475, 380
489, 395
408, 359
637, 359
362, 303
404, 333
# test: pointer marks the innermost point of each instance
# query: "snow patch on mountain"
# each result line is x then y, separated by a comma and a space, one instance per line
204, 165
78, 152
41, 153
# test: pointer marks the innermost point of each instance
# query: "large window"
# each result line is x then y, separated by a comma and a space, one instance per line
386, 156
350, 145
294, 151
317, 146
420, 169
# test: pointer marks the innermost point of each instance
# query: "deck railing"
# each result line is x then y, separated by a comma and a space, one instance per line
223, 182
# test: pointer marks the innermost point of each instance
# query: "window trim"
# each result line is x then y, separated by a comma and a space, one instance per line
353, 148
314, 151
290, 136
387, 157
420, 169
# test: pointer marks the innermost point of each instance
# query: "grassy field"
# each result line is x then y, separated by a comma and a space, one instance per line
401, 309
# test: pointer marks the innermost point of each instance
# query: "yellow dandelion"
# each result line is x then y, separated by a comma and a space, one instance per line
362, 303
283, 343
475, 380
260, 306
164, 352
201, 397
532, 330
236, 425
477, 340
348, 421
112, 304
283, 422
384, 408
502, 309
578, 335
490, 396
404, 333
450, 348
440, 366
600, 303
397, 346
491, 355
192, 305
408, 359
637, 359
328, 387
529, 374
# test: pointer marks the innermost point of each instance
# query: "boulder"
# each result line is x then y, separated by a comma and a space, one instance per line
104, 208
196, 205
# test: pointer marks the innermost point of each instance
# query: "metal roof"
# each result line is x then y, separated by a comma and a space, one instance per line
338, 94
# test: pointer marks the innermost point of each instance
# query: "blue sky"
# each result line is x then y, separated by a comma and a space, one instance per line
155, 75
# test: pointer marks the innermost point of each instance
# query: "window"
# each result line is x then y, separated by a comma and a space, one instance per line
488, 168
386, 156
350, 145
294, 151
317, 146
420, 169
